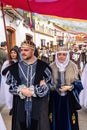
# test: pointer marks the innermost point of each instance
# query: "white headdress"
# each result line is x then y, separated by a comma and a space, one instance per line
62, 66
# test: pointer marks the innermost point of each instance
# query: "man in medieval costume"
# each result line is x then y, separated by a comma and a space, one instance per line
30, 81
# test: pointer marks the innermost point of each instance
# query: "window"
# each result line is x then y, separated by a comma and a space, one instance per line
11, 32
28, 37
43, 42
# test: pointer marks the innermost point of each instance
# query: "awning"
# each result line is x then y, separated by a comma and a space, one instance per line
62, 8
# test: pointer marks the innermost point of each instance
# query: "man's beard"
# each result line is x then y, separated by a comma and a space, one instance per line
27, 58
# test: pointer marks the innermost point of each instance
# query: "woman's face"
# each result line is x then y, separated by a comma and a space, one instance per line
13, 55
61, 57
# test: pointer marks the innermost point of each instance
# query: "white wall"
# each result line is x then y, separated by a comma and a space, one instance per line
21, 30
2, 32
38, 38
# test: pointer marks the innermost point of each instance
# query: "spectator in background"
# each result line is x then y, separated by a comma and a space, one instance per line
76, 57
4, 46
36, 52
83, 54
3, 55
45, 58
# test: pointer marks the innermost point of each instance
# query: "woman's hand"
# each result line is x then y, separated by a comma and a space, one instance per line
65, 88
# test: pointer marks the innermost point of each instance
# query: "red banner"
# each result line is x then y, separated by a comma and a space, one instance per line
63, 8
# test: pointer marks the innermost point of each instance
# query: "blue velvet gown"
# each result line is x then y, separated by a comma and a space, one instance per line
61, 115
64, 116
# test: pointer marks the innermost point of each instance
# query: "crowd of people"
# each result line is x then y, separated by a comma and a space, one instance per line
44, 89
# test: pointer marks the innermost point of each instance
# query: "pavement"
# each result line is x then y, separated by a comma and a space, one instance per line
82, 118
6, 117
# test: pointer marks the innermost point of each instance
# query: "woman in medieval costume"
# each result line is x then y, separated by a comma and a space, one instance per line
83, 94
5, 96
64, 98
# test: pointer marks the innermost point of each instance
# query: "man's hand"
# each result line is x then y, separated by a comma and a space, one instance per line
42, 82
26, 92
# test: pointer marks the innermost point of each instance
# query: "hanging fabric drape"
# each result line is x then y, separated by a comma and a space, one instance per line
63, 8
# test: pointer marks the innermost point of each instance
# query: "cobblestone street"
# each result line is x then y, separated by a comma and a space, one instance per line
82, 118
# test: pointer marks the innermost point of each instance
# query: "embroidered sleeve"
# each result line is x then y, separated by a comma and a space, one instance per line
12, 83
43, 90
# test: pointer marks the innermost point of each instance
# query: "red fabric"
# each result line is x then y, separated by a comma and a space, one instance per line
62, 8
